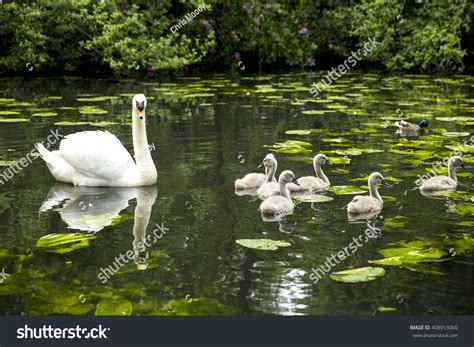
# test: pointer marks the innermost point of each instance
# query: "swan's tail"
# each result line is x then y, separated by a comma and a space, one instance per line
44, 153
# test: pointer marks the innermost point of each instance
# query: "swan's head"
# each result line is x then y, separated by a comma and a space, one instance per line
288, 176
321, 159
268, 161
139, 105
423, 123
456, 161
376, 177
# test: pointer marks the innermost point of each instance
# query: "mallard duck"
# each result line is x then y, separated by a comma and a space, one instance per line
407, 128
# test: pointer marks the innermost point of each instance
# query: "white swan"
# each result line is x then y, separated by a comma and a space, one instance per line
444, 182
270, 186
97, 158
372, 204
253, 180
312, 183
280, 204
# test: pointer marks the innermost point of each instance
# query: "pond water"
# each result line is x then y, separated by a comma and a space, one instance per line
205, 132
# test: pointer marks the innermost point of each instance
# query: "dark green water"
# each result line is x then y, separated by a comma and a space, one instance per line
207, 132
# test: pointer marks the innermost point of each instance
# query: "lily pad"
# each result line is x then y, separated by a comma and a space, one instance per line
411, 253
114, 306
194, 307
346, 190
8, 162
298, 132
63, 243
263, 244
44, 114
363, 274
91, 110
386, 309
13, 120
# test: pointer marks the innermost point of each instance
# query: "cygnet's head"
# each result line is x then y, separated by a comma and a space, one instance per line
376, 177
139, 105
321, 159
288, 176
268, 161
456, 161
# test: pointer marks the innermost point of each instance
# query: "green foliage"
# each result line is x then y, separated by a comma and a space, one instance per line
116, 36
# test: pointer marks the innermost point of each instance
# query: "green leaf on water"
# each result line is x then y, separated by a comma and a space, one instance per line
298, 132
455, 134
386, 309
9, 113
312, 198
13, 120
44, 114
194, 307
410, 253
346, 190
63, 243
70, 123
8, 162
98, 98
91, 110
363, 274
114, 306
339, 160
262, 244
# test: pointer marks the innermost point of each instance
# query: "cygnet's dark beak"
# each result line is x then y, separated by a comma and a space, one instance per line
328, 162
385, 183
462, 165
295, 181
260, 166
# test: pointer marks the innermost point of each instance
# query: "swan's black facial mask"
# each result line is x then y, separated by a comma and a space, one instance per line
140, 107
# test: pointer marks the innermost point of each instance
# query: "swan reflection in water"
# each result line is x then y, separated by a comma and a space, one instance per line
91, 209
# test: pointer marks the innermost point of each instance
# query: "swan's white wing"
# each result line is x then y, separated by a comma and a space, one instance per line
96, 154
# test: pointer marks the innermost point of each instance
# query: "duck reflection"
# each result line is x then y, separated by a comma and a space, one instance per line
91, 209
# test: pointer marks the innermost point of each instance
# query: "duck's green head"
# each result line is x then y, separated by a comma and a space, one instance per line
423, 123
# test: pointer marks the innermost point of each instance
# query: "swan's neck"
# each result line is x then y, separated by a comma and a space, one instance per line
284, 191
374, 192
271, 172
452, 173
319, 172
146, 167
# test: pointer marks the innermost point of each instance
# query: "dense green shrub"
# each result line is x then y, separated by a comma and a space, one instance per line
112, 36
